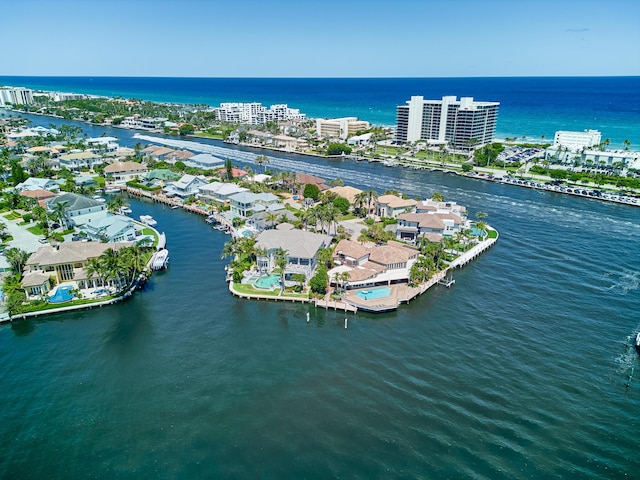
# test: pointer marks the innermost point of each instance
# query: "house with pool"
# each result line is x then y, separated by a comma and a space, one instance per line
63, 265
301, 249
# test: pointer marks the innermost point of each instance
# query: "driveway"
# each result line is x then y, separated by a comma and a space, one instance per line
22, 238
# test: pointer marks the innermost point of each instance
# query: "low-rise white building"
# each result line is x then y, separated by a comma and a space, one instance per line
576, 141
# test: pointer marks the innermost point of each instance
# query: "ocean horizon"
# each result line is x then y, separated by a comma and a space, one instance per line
532, 108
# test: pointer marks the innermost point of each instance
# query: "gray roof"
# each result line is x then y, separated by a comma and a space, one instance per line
74, 201
297, 243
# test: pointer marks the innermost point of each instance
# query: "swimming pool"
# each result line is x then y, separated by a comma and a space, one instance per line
478, 232
62, 294
374, 293
267, 282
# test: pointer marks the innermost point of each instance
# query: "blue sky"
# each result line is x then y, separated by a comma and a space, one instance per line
330, 38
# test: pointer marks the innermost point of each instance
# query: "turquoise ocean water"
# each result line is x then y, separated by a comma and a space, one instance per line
517, 371
530, 106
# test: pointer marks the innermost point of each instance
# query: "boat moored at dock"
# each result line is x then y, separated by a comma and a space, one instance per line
160, 259
148, 220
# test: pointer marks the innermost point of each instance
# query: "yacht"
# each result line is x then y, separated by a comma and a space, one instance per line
148, 220
124, 211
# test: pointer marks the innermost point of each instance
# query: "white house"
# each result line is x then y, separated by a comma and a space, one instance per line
219, 191
204, 161
187, 186
77, 160
300, 247
79, 209
33, 183
244, 204
123, 172
112, 228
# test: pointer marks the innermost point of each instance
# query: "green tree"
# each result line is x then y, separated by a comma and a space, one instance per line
17, 259
319, 281
186, 129
342, 204
262, 160
281, 262
338, 149
311, 191
229, 169
437, 197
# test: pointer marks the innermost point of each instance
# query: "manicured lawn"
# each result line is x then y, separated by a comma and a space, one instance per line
492, 234
12, 216
249, 290
36, 230
150, 232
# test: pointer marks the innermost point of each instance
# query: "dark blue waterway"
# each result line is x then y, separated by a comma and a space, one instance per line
518, 371
530, 106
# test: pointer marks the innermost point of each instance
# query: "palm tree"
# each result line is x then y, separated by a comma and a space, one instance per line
371, 196
627, 144
262, 160
437, 197
59, 212
271, 217
115, 204
95, 267
17, 259
281, 263
133, 260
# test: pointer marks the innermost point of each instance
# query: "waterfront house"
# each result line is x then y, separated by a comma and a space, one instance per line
79, 209
84, 181
123, 172
391, 206
413, 225
158, 177
112, 228
219, 191
376, 265
301, 249
62, 263
187, 186
245, 204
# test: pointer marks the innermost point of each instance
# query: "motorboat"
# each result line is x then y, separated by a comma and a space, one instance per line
125, 211
160, 259
112, 190
98, 198
636, 343
148, 220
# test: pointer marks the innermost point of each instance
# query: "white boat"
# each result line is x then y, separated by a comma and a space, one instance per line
98, 198
148, 220
160, 260
124, 211
637, 343
111, 190
175, 207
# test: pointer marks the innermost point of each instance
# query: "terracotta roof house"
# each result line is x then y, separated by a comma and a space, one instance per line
40, 195
347, 192
391, 206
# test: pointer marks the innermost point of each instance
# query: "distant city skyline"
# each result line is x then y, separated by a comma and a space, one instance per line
286, 38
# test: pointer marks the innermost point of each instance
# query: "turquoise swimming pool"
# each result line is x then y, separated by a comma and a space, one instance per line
267, 282
371, 294
63, 294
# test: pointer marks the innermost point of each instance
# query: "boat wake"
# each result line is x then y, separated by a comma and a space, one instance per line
624, 282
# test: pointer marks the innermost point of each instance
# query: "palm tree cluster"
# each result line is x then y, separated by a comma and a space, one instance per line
367, 198
119, 267
430, 261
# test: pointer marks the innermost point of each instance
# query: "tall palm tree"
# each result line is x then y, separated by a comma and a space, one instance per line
115, 204
132, 259
271, 217
281, 263
59, 212
262, 160
95, 267
372, 197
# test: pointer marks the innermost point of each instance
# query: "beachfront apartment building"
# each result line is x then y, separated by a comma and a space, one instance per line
16, 96
255, 113
340, 127
576, 141
460, 123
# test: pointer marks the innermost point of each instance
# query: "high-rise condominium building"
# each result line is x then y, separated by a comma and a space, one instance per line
459, 122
